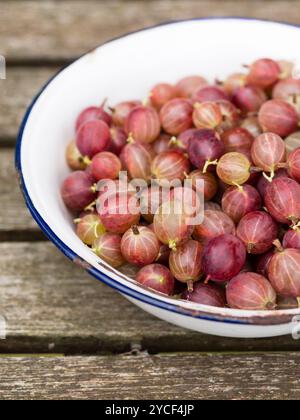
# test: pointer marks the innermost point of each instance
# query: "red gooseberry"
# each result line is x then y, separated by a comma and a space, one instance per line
293, 165
162, 144
234, 82
121, 111
263, 181
151, 199
251, 124
164, 251
239, 201
262, 263
118, 140
249, 98
279, 117
210, 94
207, 115
143, 124
286, 303
206, 294
118, 212
189, 85
282, 200
77, 191
234, 168
106, 165
237, 139
204, 149
264, 73
93, 113
74, 158
284, 271
136, 158
257, 230
158, 278
172, 227
205, 185
93, 137
251, 291
89, 228
161, 94
286, 89
176, 116
230, 114
292, 142
108, 248
169, 166
215, 223
186, 263
140, 246
268, 151
223, 258
292, 239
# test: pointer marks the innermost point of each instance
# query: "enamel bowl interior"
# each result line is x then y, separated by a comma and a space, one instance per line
123, 69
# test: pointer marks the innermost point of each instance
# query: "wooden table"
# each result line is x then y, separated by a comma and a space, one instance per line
68, 335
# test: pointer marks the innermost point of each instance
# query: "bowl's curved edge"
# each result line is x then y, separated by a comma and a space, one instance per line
279, 318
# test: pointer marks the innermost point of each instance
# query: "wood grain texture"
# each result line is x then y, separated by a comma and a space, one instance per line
51, 305
15, 220
178, 376
17, 92
62, 30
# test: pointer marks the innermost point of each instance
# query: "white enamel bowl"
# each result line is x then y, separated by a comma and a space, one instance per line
127, 68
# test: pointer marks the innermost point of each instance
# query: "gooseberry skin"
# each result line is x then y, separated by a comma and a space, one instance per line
93, 137
251, 291
74, 158
282, 200
171, 228
77, 192
140, 246
168, 166
239, 201
151, 199
237, 139
249, 99
121, 111
158, 278
206, 294
118, 140
93, 113
164, 251
268, 150
286, 89
223, 258
284, 272
234, 82
286, 303
234, 168
257, 230
293, 165
207, 115
117, 215
230, 114
263, 262
210, 94
177, 116
161, 94
108, 248
106, 165
136, 158
292, 239
215, 223
186, 262
209, 188
89, 228
251, 124
279, 117
162, 144
189, 85
263, 183
143, 124
264, 73
292, 142
205, 147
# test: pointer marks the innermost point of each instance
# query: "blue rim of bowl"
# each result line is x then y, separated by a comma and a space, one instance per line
71, 254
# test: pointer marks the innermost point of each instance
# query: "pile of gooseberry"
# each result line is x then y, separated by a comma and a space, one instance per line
240, 138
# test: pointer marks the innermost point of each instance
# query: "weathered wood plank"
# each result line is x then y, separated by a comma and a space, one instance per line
178, 376
62, 30
15, 220
53, 306
17, 91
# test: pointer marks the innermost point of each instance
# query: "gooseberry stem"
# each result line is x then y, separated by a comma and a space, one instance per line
278, 245
269, 178
190, 285
87, 161
173, 245
208, 163
91, 206
135, 230
77, 221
